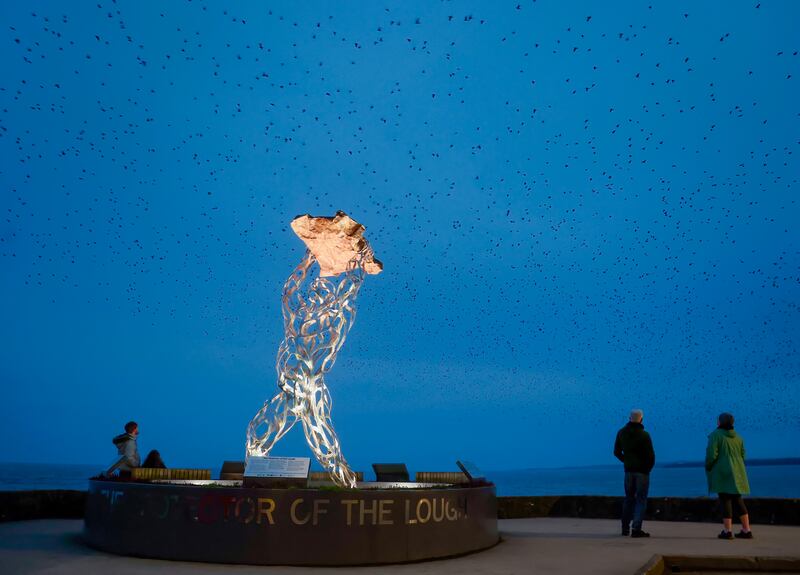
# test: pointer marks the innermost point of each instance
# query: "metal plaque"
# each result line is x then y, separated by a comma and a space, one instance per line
294, 467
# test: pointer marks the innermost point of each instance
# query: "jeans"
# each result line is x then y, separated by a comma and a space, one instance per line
636, 488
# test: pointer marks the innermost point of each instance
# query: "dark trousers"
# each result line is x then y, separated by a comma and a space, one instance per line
727, 501
636, 487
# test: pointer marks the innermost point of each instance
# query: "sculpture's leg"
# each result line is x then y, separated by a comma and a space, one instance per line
271, 423
321, 437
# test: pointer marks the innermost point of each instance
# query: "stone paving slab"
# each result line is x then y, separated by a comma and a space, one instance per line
543, 545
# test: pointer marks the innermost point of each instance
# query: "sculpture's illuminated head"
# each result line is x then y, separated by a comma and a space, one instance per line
335, 242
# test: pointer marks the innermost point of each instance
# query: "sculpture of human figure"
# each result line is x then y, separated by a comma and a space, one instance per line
316, 322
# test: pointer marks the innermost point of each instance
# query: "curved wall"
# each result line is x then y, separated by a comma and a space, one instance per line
289, 526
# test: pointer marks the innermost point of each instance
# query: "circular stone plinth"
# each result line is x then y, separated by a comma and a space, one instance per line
288, 526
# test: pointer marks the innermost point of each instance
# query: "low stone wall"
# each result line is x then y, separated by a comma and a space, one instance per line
63, 504
44, 504
698, 509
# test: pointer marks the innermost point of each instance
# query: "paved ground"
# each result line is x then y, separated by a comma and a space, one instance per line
547, 546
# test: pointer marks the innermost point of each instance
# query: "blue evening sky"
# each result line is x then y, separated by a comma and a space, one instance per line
582, 208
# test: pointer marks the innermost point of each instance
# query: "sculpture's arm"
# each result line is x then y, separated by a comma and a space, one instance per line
328, 310
354, 276
346, 292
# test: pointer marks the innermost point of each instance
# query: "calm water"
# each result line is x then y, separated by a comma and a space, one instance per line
19, 476
766, 481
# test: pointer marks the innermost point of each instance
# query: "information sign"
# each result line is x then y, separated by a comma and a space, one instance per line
295, 467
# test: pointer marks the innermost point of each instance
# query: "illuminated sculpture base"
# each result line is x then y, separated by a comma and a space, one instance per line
226, 524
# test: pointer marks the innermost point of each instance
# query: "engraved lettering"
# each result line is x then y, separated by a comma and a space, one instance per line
250, 507
438, 517
293, 513
349, 503
385, 512
208, 510
228, 507
116, 496
372, 511
191, 507
319, 509
160, 506
265, 507
450, 512
163, 514
427, 504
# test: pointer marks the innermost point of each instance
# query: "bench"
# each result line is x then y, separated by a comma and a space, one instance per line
173, 473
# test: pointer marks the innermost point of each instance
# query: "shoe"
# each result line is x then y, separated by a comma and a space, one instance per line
626, 532
744, 535
636, 533
725, 535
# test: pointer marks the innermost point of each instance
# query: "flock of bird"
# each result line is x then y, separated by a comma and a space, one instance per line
569, 202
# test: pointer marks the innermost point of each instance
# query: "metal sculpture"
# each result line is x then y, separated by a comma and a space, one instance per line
316, 322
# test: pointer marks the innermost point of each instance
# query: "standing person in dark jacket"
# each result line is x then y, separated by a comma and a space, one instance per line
634, 448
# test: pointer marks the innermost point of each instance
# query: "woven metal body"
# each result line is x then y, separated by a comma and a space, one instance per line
316, 322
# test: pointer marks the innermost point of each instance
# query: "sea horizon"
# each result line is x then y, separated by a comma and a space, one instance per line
781, 480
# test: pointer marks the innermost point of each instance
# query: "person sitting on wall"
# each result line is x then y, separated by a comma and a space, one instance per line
154, 461
127, 450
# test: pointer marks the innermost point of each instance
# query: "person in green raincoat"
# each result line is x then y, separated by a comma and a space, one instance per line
727, 475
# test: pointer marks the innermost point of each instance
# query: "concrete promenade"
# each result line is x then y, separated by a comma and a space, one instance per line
542, 545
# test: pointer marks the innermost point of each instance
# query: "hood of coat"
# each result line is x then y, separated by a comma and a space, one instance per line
634, 425
723, 432
122, 438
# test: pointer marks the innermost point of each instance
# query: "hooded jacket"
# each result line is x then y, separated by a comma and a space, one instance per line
127, 448
634, 448
725, 463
